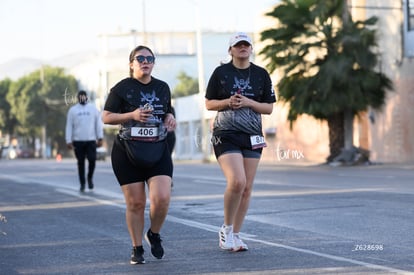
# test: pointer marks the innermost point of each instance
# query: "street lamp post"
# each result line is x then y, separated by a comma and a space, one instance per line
201, 84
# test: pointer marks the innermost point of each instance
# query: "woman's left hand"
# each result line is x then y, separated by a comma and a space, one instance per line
170, 122
238, 101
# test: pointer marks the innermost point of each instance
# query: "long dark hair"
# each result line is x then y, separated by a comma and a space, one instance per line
132, 55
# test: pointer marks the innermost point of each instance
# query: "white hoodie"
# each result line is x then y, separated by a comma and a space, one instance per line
83, 123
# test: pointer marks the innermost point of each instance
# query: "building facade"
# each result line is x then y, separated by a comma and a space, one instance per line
388, 134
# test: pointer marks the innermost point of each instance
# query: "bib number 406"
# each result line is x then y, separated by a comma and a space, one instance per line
144, 131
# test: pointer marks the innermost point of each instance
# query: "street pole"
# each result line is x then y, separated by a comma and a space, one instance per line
348, 114
201, 85
144, 25
44, 134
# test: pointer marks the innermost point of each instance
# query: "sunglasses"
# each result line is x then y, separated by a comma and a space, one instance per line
141, 58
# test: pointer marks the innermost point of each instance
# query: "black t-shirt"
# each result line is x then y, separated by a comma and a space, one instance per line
254, 83
130, 94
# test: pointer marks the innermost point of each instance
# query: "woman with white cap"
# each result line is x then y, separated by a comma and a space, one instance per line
240, 92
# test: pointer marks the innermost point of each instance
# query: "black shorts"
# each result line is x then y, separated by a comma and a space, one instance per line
234, 143
127, 172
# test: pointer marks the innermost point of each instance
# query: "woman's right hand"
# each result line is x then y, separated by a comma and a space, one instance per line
141, 115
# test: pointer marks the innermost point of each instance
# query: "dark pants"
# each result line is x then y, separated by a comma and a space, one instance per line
85, 149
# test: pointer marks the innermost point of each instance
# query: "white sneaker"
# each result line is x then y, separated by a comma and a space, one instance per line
226, 239
239, 245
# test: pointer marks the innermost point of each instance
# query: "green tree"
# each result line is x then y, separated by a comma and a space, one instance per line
38, 103
186, 85
7, 122
327, 62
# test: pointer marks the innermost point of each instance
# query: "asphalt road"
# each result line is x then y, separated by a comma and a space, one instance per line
311, 219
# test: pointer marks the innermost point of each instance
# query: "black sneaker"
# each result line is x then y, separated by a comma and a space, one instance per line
154, 240
137, 255
90, 184
82, 187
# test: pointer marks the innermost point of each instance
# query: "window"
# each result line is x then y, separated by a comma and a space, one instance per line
410, 15
408, 39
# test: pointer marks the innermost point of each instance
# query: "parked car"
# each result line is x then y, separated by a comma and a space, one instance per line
26, 153
9, 152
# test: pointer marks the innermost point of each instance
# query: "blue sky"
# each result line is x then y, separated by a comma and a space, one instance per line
46, 29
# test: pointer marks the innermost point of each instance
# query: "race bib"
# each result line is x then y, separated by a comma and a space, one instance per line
257, 142
144, 132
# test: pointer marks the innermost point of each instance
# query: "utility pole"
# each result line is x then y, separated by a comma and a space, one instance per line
201, 85
144, 25
44, 134
348, 114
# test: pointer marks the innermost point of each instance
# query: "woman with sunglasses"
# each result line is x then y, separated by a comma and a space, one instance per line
240, 92
137, 103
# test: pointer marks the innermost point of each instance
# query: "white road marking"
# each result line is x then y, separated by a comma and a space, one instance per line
253, 238
208, 227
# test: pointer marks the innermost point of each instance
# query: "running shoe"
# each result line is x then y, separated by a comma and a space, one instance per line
82, 187
226, 240
239, 245
137, 255
154, 240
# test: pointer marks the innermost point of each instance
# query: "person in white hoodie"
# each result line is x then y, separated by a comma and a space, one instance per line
84, 133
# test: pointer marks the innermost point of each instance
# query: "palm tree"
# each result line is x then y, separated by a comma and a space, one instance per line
327, 62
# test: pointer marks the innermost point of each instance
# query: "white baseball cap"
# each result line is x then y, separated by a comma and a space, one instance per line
240, 36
